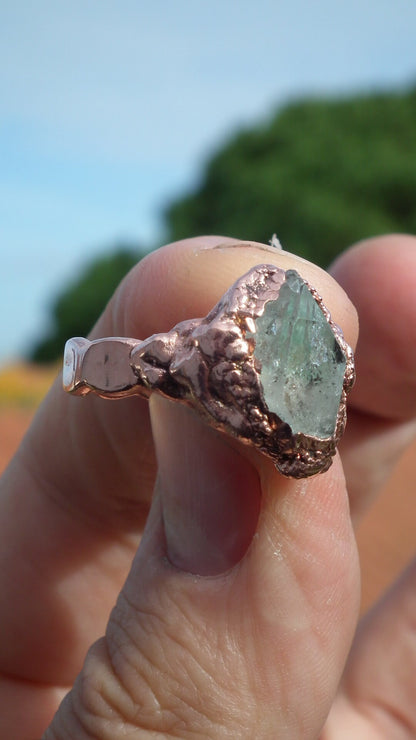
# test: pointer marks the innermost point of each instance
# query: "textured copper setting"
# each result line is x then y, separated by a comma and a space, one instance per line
209, 364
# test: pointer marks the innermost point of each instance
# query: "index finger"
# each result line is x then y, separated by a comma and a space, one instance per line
379, 275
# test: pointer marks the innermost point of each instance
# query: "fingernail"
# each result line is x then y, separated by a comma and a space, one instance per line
210, 493
228, 244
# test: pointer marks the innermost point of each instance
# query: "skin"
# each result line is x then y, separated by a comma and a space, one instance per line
237, 615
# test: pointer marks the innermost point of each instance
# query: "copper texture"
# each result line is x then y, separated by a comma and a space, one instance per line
209, 364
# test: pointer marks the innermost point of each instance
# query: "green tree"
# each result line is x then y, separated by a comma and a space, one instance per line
76, 309
321, 174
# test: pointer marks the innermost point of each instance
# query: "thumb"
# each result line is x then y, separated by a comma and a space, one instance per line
218, 633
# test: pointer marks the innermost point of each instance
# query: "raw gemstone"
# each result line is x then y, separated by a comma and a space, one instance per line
302, 363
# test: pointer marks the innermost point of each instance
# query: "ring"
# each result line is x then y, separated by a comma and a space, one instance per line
267, 365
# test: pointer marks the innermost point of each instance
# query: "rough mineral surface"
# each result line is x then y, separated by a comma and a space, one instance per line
302, 364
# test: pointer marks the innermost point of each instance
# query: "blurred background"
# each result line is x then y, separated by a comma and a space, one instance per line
124, 125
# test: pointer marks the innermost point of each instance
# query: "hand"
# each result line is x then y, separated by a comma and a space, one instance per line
237, 616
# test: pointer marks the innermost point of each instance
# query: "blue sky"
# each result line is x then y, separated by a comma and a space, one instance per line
109, 109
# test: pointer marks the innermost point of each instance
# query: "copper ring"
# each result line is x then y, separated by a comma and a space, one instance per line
215, 365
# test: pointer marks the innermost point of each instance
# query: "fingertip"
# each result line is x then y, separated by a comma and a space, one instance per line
385, 263
379, 275
185, 280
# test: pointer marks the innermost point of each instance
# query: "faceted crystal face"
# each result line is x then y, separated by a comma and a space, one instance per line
302, 363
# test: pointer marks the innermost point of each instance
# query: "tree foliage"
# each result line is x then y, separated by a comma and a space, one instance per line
321, 174
77, 308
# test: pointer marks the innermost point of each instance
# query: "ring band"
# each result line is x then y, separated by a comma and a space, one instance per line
266, 365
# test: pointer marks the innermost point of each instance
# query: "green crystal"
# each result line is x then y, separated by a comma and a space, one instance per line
302, 363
